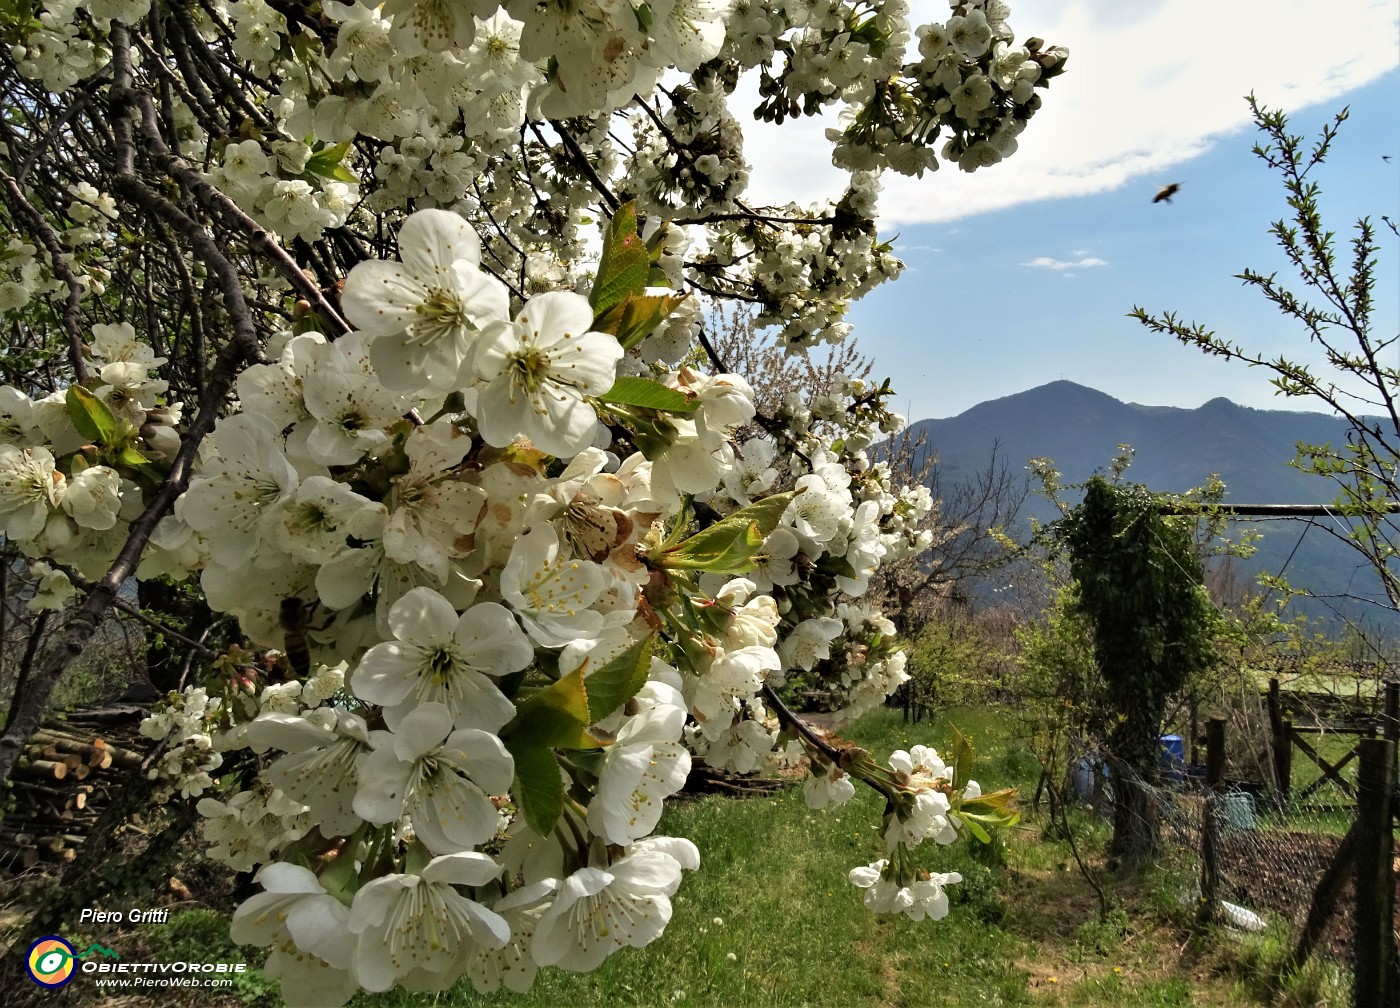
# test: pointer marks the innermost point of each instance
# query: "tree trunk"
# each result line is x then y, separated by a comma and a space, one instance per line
1136, 820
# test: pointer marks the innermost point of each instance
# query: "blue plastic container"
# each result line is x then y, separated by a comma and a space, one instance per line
1083, 778
1173, 758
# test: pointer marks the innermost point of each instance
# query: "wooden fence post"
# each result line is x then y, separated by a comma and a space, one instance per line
1195, 755
1282, 740
1215, 784
1215, 754
1375, 893
1392, 711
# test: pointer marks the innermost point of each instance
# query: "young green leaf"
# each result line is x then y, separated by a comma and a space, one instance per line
539, 786
557, 715
619, 680
634, 318
624, 265
997, 808
728, 546
92, 418
630, 390
129, 456
327, 164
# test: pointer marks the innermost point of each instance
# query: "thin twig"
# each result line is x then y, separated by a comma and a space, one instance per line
791, 720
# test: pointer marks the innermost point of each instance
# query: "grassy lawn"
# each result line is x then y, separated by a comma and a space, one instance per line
770, 920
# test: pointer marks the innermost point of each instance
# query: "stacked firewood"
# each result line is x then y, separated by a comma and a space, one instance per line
65, 776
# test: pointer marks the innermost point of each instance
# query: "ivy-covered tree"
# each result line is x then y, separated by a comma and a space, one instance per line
1141, 586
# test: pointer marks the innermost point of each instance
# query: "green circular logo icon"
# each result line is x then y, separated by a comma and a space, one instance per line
51, 962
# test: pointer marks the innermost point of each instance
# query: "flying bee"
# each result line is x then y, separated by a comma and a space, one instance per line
1166, 193
292, 616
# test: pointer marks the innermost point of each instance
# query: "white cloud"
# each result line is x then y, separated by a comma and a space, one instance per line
1045, 262
1150, 84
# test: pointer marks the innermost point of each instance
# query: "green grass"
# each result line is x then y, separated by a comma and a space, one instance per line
1340, 684
770, 920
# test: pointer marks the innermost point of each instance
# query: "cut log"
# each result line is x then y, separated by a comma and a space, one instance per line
47, 768
93, 751
125, 758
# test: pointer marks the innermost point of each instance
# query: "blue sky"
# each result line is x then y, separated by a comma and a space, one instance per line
989, 304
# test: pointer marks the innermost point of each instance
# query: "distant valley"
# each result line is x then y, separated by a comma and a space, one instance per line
1080, 429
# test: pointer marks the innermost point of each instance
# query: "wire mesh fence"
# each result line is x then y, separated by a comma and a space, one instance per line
1308, 856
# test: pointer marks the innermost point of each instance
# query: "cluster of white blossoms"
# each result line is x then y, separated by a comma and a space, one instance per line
288, 189
21, 274
523, 544
62, 496
495, 539
185, 723
443, 95
970, 82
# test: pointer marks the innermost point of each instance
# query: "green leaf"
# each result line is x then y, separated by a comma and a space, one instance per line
129, 456
92, 418
633, 391
839, 566
539, 787
557, 715
619, 680
729, 546
624, 265
551, 726
995, 807
976, 830
962, 759
633, 318
327, 163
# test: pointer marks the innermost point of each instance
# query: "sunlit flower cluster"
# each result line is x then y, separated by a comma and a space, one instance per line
505, 547
453, 561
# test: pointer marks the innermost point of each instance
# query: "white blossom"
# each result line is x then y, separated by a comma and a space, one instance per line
536, 371
442, 658
598, 911
551, 595
420, 928
30, 488
424, 312
441, 778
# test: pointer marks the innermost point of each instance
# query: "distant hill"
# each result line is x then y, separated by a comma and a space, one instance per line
1081, 428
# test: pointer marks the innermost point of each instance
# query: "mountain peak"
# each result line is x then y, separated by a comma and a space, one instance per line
1061, 397
1079, 429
